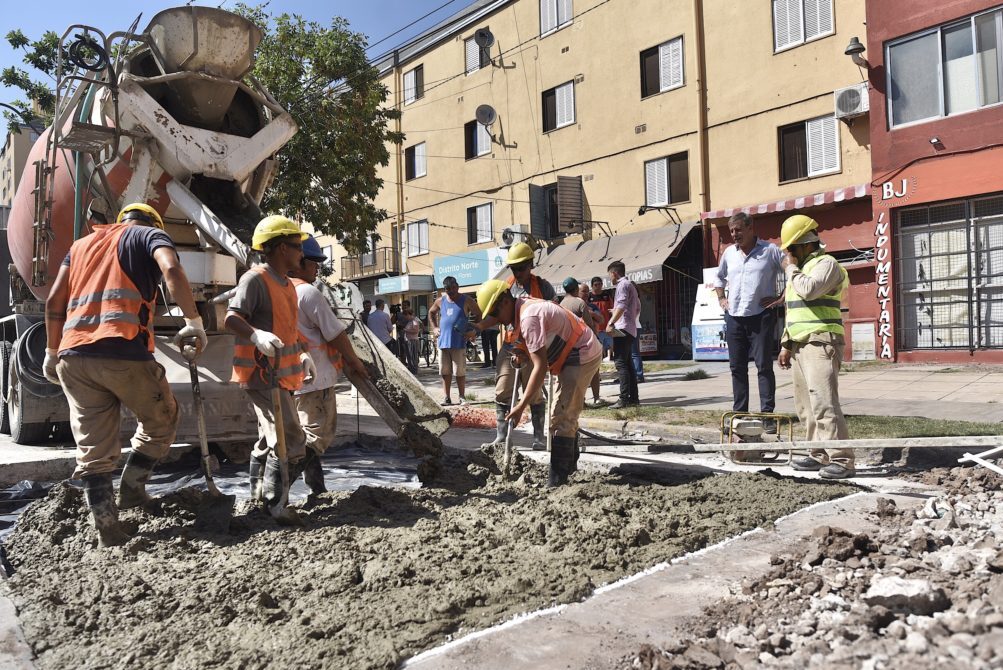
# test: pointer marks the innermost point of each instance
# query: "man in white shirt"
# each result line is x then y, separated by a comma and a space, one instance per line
379, 322
330, 348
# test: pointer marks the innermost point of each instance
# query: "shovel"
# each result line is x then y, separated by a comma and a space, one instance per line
279, 511
507, 463
215, 515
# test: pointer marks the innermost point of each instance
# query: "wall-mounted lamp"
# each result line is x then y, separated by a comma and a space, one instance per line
934, 140
854, 49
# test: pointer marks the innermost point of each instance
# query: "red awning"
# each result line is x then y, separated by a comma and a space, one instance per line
836, 195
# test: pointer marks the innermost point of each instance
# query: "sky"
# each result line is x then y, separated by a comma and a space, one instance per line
375, 18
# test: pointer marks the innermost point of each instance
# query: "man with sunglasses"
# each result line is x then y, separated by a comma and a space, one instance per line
269, 351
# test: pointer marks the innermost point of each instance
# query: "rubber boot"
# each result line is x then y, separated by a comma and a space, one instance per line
132, 486
501, 411
562, 460
539, 415
255, 469
577, 452
313, 473
100, 497
276, 496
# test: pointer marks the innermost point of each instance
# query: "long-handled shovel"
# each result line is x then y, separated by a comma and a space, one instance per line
279, 511
215, 515
507, 463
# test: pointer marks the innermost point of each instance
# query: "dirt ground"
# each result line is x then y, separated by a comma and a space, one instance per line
925, 591
377, 575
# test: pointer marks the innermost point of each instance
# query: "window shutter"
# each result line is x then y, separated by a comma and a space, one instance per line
570, 205
484, 232
823, 145
565, 13
670, 64
473, 55
423, 237
409, 87
788, 25
817, 18
548, 16
419, 160
419, 82
656, 181
412, 239
483, 140
538, 212
565, 104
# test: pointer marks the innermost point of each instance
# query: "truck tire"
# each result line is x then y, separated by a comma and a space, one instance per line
20, 431
6, 351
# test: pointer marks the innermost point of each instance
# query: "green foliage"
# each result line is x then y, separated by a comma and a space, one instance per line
320, 75
41, 56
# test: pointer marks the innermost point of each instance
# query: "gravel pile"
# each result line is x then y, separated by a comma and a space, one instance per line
925, 591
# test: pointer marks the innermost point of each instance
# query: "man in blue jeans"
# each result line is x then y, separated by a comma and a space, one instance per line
623, 320
751, 269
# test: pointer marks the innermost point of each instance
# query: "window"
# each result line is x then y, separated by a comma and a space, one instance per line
559, 107
554, 14
667, 180
477, 139
417, 238
414, 84
414, 162
328, 251
476, 57
369, 255
798, 21
809, 148
479, 226
662, 67
952, 69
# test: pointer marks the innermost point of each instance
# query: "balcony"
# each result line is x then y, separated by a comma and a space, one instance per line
381, 261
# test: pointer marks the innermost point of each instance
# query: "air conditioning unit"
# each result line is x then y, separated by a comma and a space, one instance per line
851, 101
515, 234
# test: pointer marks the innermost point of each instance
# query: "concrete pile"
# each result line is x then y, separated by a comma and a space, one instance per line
925, 591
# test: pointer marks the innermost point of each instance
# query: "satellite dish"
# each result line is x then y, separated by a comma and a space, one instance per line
485, 115
484, 38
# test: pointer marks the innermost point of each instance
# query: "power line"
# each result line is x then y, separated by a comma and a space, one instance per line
399, 31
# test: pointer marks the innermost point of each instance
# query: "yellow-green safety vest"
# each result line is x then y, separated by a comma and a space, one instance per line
821, 315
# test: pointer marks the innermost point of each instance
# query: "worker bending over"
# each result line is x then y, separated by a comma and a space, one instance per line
813, 342
268, 351
551, 338
330, 350
99, 330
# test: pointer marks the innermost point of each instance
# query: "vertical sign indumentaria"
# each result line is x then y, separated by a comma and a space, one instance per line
882, 270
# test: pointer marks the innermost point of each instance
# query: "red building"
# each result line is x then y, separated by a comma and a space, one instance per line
936, 87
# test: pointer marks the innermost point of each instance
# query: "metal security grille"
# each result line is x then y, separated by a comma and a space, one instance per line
950, 269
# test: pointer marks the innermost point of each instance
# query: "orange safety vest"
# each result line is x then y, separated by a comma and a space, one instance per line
534, 292
104, 302
328, 347
556, 362
249, 363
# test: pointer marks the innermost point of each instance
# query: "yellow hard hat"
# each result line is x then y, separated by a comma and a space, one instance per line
488, 294
794, 228
140, 211
519, 253
274, 226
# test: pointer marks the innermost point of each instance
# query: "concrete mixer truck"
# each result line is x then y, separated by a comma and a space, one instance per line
169, 116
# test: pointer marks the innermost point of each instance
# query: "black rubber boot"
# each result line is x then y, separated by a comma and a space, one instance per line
539, 415
313, 473
501, 427
100, 497
577, 452
132, 486
255, 470
276, 496
562, 460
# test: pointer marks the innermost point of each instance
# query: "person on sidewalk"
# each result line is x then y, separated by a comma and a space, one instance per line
412, 334
750, 268
573, 302
450, 318
548, 337
598, 326
380, 323
99, 347
367, 307
812, 343
489, 344
264, 314
331, 350
623, 319
604, 302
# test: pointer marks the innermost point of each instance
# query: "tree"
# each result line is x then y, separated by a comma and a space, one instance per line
40, 55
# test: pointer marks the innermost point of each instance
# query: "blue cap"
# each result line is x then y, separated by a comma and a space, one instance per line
312, 251
570, 284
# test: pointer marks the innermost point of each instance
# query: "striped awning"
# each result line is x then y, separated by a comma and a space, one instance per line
814, 200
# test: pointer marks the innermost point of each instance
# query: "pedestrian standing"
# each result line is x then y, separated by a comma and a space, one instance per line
269, 351
548, 337
813, 341
99, 347
380, 324
604, 302
489, 343
367, 307
622, 326
450, 317
598, 326
750, 269
331, 350
412, 333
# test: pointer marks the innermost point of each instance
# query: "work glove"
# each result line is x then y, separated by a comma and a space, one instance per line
267, 343
49, 365
309, 367
193, 329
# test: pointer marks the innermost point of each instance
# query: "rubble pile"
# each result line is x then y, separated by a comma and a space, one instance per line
926, 591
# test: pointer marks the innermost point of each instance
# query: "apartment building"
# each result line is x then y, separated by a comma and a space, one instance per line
12, 161
613, 130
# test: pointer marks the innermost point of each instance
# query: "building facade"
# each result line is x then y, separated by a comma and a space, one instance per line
13, 157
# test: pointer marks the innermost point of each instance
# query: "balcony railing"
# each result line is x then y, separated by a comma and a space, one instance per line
378, 262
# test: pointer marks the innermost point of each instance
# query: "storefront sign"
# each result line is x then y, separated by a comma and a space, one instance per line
405, 284
473, 267
862, 338
882, 270
648, 343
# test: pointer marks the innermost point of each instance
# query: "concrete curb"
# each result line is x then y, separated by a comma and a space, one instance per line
667, 432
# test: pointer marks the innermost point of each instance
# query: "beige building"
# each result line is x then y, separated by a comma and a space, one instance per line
606, 131
13, 157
